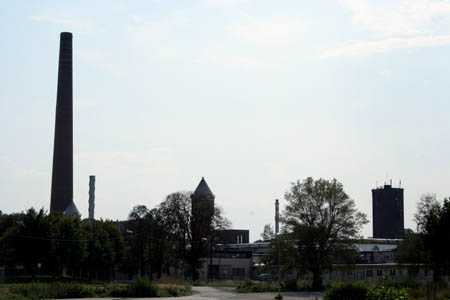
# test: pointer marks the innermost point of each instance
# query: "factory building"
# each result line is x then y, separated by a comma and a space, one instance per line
387, 212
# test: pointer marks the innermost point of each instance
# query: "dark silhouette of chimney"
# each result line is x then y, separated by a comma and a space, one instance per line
62, 175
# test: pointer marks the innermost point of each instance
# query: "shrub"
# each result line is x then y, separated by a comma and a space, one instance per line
256, 287
173, 290
53, 290
347, 290
290, 285
116, 290
142, 287
11, 296
386, 293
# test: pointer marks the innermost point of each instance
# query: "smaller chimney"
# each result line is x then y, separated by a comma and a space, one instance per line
91, 196
277, 217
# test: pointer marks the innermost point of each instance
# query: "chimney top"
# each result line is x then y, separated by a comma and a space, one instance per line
66, 34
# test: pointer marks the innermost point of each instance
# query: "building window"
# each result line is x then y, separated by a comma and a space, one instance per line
393, 273
359, 275
369, 273
380, 273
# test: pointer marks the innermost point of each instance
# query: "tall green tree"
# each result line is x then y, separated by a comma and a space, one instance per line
433, 225
104, 248
29, 242
176, 215
68, 244
322, 220
412, 253
147, 242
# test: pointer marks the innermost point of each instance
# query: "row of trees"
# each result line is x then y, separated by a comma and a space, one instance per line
321, 224
152, 242
59, 245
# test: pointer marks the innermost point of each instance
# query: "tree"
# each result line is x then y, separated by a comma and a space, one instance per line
176, 215
267, 233
104, 248
322, 220
28, 241
175, 212
137, 250
411, 253
433, 225
68, 245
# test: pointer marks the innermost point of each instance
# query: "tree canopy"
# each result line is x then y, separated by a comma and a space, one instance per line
321, 219
267, 233
433, 226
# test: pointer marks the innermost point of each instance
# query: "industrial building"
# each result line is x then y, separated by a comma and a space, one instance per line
387, 212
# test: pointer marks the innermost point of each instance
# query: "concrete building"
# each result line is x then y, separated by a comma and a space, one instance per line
232, 236
377, 259
387, 212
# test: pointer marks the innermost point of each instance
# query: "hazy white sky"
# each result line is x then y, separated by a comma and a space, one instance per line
250, 94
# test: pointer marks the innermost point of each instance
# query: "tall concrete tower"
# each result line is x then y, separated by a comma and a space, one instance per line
387, 212
62, 176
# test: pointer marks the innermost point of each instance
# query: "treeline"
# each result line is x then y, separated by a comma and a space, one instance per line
152, 242
59, 245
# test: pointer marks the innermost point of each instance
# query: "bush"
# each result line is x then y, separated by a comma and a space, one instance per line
293, 285
11, 296
116, 290
142, 287
386, 293
411, 283
290, 285
173, 290
55, 290
256, 287
347, 290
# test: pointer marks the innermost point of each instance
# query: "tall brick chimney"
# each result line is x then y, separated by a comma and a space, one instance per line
62, 174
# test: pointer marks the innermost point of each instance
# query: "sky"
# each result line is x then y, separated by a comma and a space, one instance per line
250, 94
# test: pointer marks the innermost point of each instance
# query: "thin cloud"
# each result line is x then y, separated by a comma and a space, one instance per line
221, 58
75, 25
386, 45
394, 18
101, 59
223, 2
11, 168
156, 36
274, 30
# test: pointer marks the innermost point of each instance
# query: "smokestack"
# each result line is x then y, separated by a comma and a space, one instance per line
91, 196
277, 217
62, 174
